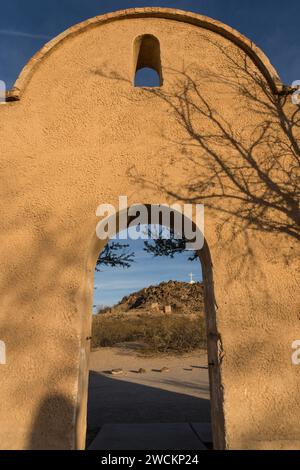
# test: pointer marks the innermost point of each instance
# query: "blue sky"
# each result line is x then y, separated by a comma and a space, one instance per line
25, 26
112, 284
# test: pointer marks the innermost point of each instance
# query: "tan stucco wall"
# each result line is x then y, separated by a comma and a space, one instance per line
80, 135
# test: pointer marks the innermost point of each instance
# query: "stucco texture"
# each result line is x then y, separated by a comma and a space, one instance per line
76, 133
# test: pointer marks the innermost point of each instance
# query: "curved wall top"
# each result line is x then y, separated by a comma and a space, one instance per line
254, 52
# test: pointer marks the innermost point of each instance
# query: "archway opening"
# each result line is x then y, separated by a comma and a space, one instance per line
149, 366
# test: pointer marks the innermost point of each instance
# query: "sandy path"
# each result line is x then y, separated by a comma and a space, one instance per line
188, 373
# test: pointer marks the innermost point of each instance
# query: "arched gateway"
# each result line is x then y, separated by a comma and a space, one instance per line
219, 130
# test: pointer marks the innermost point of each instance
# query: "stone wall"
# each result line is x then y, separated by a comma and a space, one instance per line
76, 133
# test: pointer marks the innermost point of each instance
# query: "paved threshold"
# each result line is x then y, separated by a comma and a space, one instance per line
148, 436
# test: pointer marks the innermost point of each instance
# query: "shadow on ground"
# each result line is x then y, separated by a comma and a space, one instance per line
113, 400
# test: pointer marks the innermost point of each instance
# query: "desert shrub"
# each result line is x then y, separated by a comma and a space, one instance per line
180, 334
110, 331
160, 333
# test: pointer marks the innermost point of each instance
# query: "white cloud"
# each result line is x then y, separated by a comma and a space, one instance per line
119, 285
10, 32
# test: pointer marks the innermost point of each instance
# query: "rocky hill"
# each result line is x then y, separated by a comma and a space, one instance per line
182, 297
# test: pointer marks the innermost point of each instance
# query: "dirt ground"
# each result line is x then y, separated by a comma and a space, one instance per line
179, 394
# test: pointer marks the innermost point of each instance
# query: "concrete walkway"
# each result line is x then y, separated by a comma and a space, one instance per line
151, 436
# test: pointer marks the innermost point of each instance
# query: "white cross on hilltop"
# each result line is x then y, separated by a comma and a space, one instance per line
191, 279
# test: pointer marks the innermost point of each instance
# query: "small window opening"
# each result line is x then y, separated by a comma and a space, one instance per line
147, 62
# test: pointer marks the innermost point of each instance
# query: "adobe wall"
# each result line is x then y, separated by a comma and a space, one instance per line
79, 134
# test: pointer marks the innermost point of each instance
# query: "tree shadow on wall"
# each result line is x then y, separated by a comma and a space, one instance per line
240, 139
236, 139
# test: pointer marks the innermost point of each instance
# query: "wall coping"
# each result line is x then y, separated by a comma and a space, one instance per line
254, 52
